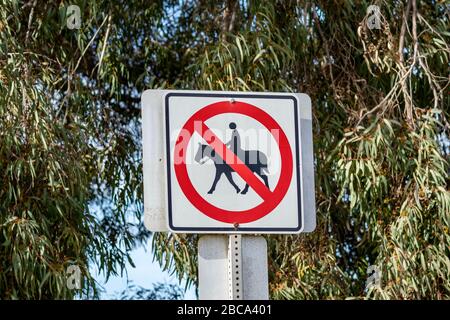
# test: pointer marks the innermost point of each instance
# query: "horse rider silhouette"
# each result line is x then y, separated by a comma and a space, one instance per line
255, 160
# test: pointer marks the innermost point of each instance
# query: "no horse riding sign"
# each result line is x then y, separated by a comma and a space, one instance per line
236, 162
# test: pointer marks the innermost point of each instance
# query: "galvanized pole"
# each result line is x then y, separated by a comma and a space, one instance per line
233, 267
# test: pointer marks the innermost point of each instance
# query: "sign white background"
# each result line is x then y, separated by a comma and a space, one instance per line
184, 214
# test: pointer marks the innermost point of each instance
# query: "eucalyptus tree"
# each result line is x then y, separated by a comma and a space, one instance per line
70, 163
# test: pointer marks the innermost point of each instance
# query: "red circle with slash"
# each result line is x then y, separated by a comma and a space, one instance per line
271, 199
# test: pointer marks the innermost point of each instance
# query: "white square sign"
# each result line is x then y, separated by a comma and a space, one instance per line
234, 162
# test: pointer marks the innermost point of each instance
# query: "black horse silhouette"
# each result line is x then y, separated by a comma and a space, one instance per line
255, 160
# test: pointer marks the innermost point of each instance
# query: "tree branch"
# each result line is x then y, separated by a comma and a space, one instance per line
401, 43
229, 17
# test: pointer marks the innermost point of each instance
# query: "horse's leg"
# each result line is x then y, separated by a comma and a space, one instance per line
230, 178
245, 189
266, 180
216, 179
264, 177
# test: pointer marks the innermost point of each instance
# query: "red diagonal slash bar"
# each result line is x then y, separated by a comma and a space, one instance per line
241, 168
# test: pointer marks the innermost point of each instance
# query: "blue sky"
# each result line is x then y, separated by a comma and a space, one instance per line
145, 275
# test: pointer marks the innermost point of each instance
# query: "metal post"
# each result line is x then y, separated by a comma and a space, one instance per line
233, 267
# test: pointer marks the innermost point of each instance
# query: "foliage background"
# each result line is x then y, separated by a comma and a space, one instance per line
70, 168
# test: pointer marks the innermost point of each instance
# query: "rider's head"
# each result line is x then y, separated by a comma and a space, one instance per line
232, 125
